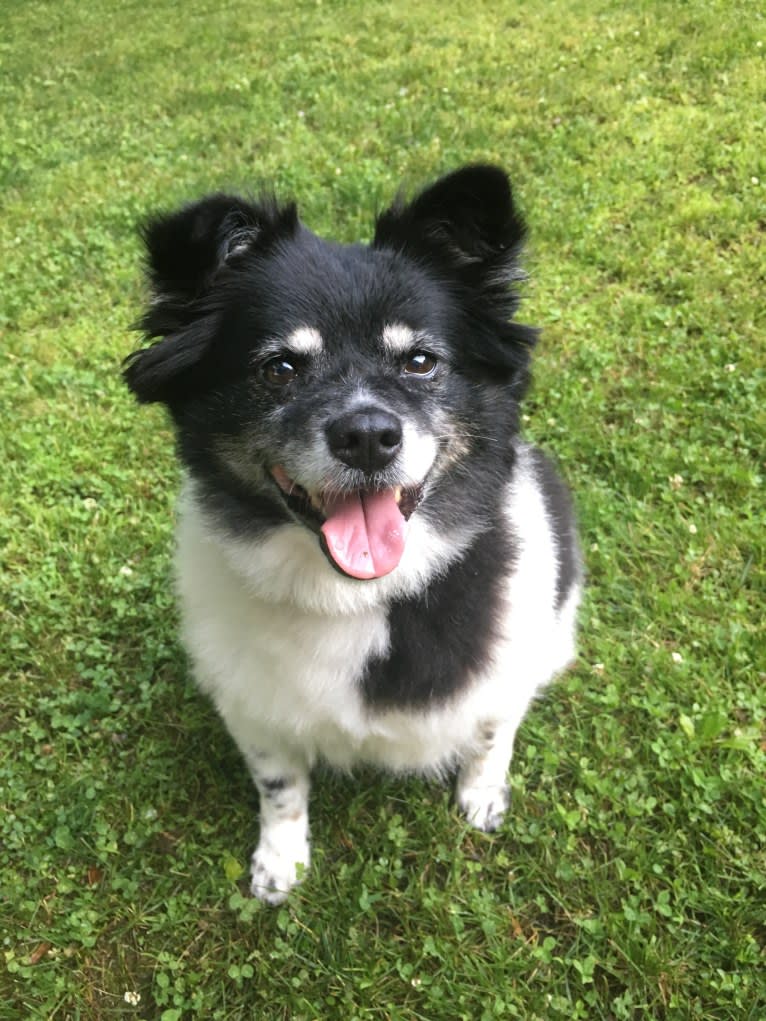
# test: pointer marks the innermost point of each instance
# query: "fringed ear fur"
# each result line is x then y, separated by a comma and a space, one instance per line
186, 252
171, 366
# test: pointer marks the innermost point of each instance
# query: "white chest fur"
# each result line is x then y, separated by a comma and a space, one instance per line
282, 674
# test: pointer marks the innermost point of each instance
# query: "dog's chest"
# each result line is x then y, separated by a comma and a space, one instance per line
286, 673
295, 677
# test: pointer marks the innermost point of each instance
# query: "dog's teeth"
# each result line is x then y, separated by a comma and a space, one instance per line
398, 494
316, 501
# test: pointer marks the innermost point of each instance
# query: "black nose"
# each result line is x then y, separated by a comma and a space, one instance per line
367, 438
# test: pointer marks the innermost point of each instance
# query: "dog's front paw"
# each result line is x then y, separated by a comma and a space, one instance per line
484, 807
275, 871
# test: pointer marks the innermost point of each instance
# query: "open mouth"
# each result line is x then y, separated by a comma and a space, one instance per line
362, 532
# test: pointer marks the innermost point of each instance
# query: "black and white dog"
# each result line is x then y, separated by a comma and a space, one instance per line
372, 565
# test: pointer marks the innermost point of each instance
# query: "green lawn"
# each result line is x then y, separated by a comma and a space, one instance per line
630, 879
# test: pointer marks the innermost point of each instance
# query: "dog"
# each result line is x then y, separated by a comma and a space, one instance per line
372, 565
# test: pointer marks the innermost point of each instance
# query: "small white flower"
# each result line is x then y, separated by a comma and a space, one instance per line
730, 367
677, 657
132, 998
126, 571
676, 481
598, 668
755, 180
693, 528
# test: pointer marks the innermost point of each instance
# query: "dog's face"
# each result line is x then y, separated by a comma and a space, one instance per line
345, 387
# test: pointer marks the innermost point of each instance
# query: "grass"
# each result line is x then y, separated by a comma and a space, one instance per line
630, 879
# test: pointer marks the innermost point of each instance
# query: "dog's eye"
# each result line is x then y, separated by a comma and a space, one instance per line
420, 363
279, 371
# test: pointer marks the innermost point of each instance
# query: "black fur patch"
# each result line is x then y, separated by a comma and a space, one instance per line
236, 508
441, 638
269, 786
558, 505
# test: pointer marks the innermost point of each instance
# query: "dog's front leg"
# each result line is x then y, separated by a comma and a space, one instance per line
482, 791
282, 854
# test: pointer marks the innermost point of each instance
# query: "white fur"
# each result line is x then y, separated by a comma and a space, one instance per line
397, 338
306, 340
279, 642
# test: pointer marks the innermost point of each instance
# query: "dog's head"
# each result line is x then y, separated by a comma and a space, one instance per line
344, 386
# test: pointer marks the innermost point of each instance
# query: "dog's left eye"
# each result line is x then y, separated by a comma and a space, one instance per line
279, 371
420, 363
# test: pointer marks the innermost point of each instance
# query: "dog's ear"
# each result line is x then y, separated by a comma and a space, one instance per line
467, 224
186, 250
189, 253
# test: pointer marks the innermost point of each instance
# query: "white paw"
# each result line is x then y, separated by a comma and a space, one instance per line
275, 871
484, 807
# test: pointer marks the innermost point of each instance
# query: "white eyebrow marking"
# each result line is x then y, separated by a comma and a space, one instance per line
398, 338
305, 341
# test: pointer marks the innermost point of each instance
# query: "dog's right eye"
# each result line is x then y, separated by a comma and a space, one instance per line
279, 372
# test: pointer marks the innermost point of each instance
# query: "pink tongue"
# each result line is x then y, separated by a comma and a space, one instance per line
364, 533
